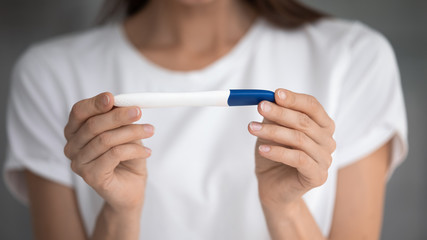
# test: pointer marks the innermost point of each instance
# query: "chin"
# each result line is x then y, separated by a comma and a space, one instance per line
194, 2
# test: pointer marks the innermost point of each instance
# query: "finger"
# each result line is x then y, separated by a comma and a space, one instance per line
85, 109
109, 139
103, 167
313, 174
122, 154
304, 103
292, 138
292, 119
98, 124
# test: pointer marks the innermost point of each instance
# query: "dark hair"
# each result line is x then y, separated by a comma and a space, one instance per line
284, 13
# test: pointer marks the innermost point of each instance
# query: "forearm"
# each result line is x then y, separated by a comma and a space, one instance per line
292, 221
113, 224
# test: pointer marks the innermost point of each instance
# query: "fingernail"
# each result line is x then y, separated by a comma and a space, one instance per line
265, 106
147, 150
264, 148
255, 126
105, 100
133, 113
282, 94
148, 128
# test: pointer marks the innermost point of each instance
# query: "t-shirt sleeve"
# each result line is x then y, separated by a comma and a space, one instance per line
371, 108
35, 122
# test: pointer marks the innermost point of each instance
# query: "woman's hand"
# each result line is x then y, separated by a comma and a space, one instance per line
294, 147
105, 149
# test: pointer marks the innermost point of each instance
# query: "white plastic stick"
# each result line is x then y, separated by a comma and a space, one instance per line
158, 100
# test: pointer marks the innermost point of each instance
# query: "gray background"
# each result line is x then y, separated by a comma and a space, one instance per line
403, 22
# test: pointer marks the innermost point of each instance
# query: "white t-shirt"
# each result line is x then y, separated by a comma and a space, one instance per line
201, 181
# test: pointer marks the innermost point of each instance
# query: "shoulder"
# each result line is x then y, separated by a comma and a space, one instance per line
364, 56
57, 68
358, 49
330, 34
352, 37
68, 48
364, 50
328, 43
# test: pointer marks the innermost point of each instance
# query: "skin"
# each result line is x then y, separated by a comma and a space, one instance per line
293, 151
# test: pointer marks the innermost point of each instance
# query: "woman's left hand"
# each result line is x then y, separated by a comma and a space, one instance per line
294, 147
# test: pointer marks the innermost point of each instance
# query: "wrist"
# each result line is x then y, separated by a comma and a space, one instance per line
291, 220
124, 205
283, 211
116, 224
122, 213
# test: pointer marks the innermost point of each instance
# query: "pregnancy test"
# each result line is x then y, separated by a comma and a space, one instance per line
225, 98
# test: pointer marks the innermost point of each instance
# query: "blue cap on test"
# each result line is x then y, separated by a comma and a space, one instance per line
241, 97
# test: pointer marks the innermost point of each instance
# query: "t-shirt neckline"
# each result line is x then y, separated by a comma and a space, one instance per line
229, 60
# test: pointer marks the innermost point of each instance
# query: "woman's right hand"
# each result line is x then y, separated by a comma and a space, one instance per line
105, 149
